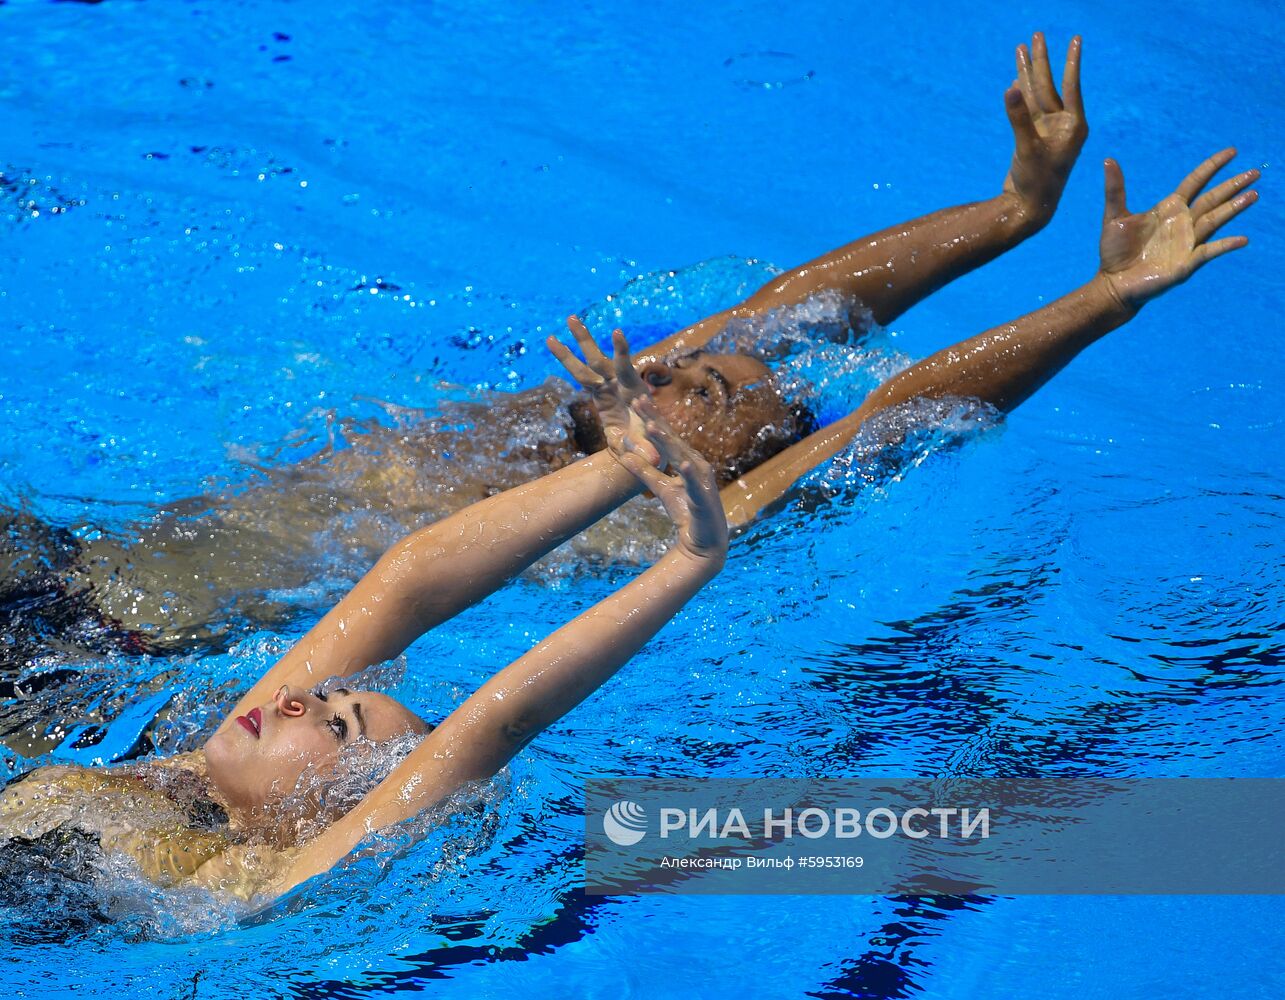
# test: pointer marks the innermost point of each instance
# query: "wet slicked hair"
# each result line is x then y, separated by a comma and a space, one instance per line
586, 433
772, 440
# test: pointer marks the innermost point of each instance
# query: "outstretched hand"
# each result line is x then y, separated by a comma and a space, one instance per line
1150, 252
1049, 129
691, 497
613, 384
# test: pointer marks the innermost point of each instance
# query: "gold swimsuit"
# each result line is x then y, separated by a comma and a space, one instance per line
121, 808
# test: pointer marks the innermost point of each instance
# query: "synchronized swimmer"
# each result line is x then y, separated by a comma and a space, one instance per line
709, 435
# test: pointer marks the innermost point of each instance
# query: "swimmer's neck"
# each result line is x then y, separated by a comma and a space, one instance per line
258, 823
194, 763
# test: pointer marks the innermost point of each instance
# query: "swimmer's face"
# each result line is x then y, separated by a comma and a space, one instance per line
717, 403
258, 761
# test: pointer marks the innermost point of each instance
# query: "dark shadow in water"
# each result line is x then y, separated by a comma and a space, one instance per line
48, 893
569, 924
888, 969
40, 613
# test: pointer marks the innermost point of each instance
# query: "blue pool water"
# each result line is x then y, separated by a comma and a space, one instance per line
229, 231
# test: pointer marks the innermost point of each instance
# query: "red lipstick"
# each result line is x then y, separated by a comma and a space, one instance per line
253, 722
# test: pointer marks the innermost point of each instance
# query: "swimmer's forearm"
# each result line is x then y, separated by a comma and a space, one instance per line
543, 685
1002, 367
1005, 365
748, 497
440, 570
891, 270
888, 271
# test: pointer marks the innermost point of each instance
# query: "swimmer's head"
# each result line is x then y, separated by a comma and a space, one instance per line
284, 756
726, 406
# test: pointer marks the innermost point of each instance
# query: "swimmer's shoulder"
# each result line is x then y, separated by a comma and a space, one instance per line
95, 800
43, 778
242, 870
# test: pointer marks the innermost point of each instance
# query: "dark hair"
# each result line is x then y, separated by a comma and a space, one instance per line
585, 432
772, 440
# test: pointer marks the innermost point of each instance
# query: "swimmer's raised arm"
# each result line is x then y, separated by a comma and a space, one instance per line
438, 571
433, 574
1141, 256
510, 709
891, 270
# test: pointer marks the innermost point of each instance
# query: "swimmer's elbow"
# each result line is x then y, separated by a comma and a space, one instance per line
501, 744
518, 732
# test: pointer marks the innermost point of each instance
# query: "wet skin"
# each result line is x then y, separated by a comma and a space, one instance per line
720, 404
257, 760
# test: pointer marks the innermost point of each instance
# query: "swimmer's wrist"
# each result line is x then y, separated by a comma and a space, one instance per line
704, 565
1115, 302
1025, 216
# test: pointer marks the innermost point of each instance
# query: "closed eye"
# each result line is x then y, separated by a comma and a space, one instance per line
714, 375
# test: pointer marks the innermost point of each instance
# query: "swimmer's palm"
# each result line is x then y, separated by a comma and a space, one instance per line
1062, 136
1050, 128
1148, 253
1145, 254
692, 502
690, 497
612, 382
